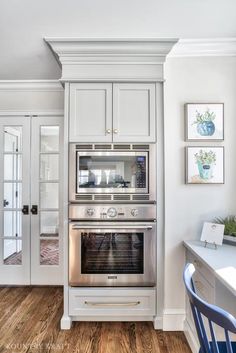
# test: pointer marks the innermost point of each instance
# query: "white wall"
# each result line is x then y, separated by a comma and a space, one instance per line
187, 206
24, 24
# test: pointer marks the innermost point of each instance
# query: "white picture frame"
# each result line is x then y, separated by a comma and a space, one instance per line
212, 233
205, 165
204, 121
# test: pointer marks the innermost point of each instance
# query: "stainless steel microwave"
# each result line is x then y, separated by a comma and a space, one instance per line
112, 172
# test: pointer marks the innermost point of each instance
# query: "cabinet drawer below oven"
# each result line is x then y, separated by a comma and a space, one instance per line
109, 302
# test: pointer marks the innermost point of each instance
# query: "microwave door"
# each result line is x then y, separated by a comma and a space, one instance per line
111, 172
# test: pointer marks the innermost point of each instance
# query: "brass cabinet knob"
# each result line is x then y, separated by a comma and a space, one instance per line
115, 131
108, 131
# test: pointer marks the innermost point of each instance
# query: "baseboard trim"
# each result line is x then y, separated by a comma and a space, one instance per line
173, 319
158, 323
190, 337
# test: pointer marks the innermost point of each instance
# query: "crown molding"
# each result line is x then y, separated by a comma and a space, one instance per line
111, 58
204, 47
13, 113
31, 85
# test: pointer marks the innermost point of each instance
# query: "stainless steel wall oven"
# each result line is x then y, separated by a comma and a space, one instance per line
112, 172
111, 251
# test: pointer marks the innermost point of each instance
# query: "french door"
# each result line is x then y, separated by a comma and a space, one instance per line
30, 237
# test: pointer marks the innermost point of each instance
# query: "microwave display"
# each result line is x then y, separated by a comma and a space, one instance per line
114, 171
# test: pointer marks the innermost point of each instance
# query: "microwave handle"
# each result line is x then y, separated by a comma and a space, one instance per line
77, 226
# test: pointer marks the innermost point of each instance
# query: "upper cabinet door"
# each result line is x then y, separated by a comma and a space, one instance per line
90, 112
134, 112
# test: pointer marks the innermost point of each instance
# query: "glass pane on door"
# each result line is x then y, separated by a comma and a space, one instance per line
49, 139
12, 224
49, 252
112, 252
12, 195
12, 138
12, 252
49, 195
49, 167
49, 224
12, 167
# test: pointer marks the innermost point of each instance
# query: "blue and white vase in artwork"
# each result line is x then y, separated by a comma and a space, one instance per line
206, 128
205, 170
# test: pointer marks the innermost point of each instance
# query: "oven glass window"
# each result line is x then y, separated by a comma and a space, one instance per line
116, 171
112, 253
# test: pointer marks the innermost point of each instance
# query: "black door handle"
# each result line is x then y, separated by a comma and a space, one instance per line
25, 209
5, 203
34, 209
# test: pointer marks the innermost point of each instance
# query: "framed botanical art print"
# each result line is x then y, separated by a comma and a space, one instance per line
205, 165
204, 121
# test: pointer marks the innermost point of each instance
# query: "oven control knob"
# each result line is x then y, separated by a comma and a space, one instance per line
111, 212
134, 212
90, 212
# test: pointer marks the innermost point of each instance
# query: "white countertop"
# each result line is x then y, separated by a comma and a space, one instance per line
220, 261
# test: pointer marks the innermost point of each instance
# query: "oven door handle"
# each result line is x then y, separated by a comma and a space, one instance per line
111, 227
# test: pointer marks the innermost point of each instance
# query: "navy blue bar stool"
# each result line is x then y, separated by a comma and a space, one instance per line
214, 314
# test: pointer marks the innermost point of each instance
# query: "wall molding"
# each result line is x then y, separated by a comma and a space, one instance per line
173, 319
45, 112
204, 47
106, 59
31, 85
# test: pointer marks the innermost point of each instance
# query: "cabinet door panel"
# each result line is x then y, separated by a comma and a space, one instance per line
90, 112
134, 112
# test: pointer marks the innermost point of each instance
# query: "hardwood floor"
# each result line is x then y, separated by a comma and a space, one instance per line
30, 318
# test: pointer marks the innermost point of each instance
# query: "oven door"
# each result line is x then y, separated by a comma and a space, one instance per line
113, 172
111, 254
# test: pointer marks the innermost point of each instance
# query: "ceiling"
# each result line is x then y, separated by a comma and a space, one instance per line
24, 24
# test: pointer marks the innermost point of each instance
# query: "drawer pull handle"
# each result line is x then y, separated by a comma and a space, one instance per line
112, 304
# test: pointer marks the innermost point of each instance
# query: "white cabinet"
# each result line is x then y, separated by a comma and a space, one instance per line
90, 112
106, 112
134, 112
112, 302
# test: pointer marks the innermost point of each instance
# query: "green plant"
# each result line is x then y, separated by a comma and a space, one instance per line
207, 116
205, 157
230, 224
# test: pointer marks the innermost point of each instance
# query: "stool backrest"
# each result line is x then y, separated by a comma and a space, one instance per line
213, 313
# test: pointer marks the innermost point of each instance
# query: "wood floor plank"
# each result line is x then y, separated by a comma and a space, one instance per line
30, 323
10, 300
